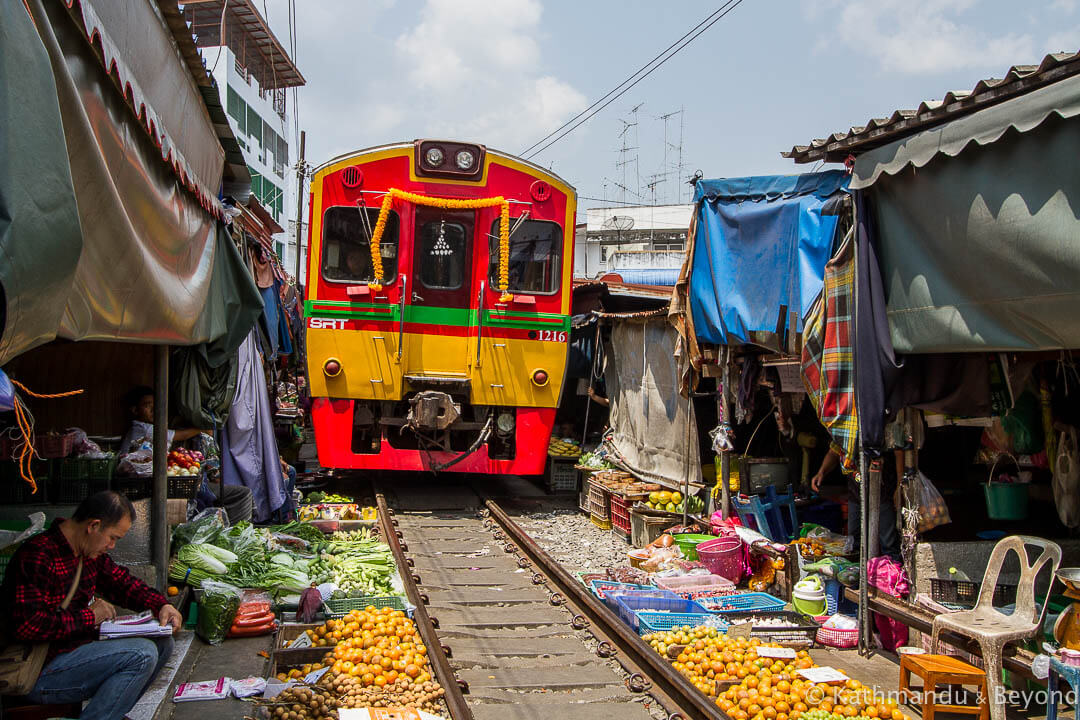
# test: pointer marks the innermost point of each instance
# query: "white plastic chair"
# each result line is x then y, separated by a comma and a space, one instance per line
990, 627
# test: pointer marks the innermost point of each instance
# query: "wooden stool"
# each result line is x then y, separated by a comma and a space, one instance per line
943, 670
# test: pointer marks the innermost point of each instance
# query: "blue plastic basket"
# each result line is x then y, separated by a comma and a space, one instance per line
745, 602
613, 596
835, 602
650, 622
601, 588
630, 605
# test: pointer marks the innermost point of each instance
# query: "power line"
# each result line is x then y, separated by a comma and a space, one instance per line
643, 72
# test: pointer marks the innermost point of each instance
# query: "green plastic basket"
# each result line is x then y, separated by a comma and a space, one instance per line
87, 469
688, 543
1006, 501
340, 607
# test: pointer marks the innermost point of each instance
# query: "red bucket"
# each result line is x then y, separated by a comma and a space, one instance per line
723, 557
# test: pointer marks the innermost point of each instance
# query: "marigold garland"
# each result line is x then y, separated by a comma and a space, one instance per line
445, 204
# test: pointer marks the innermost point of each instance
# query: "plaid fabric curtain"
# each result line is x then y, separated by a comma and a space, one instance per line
827, 356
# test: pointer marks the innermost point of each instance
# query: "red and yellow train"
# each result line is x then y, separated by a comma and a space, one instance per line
437, 308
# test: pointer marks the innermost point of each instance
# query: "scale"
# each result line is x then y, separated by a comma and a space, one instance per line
1067, 627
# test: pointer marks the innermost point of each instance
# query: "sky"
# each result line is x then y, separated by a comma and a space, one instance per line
769, 75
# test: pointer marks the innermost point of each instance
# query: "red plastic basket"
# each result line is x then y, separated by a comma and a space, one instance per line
54, 445
723, 557
620, 512
836, 638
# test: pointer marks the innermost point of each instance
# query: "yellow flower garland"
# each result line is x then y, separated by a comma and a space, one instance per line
445, 204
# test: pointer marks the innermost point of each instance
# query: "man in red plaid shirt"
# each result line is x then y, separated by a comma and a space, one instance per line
111, 674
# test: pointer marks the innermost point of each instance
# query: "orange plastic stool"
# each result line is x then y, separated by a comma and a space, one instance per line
937, 670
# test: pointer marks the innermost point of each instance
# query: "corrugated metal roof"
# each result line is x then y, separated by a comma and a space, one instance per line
1020, 79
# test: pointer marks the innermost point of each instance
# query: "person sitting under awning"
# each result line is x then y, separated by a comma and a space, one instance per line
58, 589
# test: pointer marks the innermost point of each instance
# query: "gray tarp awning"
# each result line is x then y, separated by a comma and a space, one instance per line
648, 416
979, 228
150, 264
1021, 114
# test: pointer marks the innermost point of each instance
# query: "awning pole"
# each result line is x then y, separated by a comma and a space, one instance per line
689, 430
725, 455
159, 523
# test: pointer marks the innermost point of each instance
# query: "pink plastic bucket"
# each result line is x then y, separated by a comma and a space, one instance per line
723, 557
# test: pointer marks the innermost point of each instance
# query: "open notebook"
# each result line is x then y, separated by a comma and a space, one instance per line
143, 624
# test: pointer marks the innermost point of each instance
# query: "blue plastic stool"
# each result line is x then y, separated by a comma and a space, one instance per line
1059, 671
766, 513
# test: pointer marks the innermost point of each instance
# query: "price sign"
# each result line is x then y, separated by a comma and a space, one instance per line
823, 675
774, 652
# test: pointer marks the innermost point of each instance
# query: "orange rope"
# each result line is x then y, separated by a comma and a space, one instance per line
26, 427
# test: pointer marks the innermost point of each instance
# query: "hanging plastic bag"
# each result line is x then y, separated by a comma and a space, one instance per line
1067, 480
932, 508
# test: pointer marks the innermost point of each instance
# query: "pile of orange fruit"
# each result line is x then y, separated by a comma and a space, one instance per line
747, 686
378, 646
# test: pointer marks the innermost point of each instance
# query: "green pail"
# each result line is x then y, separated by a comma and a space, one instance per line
1006, 501
688, 543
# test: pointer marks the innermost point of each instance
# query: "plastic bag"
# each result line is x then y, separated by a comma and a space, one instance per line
1067, 480
139, 463
217, 610
932, 508
205, 527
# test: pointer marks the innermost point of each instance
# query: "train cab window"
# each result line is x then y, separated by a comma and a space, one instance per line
444, 249
535, 257
346, 250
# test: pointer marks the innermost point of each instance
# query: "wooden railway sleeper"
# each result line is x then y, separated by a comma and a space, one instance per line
556, 598
523, 562
538, 579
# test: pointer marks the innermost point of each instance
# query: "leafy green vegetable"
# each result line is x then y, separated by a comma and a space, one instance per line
206, 557
217, 609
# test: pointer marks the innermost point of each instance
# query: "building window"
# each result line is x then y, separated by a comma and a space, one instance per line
279, 249
254, 124
603, 253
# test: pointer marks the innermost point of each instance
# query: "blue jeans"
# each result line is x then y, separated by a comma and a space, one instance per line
888, 539
111, 674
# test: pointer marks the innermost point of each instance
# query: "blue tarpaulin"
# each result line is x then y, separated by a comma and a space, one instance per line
759, 252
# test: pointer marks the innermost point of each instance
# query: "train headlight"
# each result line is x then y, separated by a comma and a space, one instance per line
540, 378
434, 157
504, 423
332, 367
464, 160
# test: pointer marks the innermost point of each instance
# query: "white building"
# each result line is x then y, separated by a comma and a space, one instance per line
644, 237
253, 73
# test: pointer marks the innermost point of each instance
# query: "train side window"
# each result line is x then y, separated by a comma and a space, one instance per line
535, 257
346, 250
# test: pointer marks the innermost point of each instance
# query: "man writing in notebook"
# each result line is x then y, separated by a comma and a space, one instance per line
70, 562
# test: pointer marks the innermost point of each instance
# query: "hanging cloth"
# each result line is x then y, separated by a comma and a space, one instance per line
264, 272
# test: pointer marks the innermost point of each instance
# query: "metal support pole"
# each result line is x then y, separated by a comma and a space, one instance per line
865, 628
873, 520
300, 205
689, 444
725, 455
159, 523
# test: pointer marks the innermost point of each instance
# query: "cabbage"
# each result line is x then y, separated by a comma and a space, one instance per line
206, 557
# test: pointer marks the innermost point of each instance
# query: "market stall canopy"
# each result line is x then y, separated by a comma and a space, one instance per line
149, 263
995, 190
759, 253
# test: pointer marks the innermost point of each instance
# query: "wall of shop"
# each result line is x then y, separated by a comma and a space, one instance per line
933, 560
105, 371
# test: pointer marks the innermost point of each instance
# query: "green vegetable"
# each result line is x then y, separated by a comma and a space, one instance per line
182, 573
282, 558
203, 529
285, 578
206, 557
217, 609
302, 530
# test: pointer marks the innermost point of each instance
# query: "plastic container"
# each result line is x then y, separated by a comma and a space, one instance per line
722, 556
688, 543
601, 588
629, 606
753, 602
808, 597
651, 622
613, 597
340, 607
691, 587
837, 638
1006, 501
620, 512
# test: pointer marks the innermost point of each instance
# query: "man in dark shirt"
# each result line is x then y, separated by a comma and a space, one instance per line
111, 674
891, 468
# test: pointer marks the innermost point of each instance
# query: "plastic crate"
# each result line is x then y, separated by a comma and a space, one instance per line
183, 486
340, 607
602, 523
599, 501
651, 622
630, 605
644, 591
754, 602
835, 602
963, 592
135, 488
620, 512
72, 491
646, 528
691, 587
583, 501
86, 468
601, 588
16, 491
562, 476
54, 445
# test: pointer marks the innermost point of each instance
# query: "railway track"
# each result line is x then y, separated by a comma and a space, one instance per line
521, 636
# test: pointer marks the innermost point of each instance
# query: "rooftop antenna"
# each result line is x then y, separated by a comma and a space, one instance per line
622, 162
657, 179
637, 143
668, 168
618, 223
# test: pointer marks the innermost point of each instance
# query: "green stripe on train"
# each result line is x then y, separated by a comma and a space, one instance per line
419, 314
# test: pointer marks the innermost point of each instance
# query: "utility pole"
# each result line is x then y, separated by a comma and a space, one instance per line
300, 172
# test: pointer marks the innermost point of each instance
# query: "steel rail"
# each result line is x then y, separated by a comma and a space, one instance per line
454, 697
666, 681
